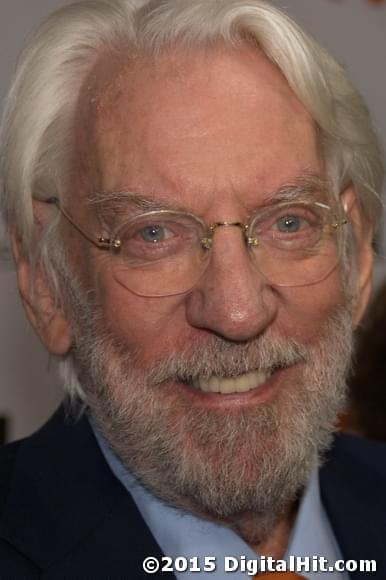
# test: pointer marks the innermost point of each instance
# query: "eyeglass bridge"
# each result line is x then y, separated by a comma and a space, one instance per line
206, 242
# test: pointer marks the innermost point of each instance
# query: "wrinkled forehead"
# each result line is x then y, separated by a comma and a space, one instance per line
118, 78
184, 101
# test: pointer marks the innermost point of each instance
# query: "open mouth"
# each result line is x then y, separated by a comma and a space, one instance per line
229, 385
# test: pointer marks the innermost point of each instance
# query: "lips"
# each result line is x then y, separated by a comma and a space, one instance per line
224, 385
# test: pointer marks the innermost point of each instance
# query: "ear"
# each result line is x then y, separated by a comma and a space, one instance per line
42, 309
363, 235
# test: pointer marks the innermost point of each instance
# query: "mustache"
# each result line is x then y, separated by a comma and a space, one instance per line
219, 357
214, 356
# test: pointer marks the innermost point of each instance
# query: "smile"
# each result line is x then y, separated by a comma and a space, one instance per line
226, 386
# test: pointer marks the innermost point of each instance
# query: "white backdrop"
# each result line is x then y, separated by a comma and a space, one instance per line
353, 30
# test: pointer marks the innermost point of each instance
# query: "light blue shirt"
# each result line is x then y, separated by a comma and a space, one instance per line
182, 534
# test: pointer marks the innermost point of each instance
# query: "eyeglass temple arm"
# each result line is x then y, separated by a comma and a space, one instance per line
101, 243
340, 223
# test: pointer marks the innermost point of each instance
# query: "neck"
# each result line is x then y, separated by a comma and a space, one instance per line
270, 537
266, 535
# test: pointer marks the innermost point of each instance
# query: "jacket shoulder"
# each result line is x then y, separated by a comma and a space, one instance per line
65, 515
12, 561
366, 456
8, 455
353, 483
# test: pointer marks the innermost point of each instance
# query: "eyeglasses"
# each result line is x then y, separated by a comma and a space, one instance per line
165, 253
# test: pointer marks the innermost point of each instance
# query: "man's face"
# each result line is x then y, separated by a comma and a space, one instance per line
214, 134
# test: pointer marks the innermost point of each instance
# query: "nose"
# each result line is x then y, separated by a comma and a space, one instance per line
232, 299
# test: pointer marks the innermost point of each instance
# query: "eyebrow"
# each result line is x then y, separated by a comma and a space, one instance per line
120, 199
306, 187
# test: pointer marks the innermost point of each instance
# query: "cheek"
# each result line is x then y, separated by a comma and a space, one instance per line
305, 310
150, 325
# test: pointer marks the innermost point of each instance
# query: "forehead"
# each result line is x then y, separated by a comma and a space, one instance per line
218, 121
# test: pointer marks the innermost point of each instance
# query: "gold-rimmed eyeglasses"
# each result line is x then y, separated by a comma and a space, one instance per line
165, 252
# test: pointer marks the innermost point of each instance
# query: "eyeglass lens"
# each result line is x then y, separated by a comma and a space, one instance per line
162, 253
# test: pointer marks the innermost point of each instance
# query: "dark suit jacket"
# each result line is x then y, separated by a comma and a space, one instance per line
63, 514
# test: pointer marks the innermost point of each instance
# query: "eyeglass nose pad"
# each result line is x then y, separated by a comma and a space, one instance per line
252, 242
206, 243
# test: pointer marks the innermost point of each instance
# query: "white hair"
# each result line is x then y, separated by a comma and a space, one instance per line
37, 126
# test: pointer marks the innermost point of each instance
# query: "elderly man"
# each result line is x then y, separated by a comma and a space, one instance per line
190, 188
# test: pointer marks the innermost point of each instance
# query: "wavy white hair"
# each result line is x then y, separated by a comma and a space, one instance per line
37, 126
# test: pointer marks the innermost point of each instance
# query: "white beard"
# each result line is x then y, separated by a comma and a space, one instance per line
216, 462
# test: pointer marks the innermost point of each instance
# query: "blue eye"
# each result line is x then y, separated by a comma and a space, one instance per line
153, 234
289, 224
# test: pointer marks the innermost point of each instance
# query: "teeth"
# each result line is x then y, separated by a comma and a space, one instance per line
227, 386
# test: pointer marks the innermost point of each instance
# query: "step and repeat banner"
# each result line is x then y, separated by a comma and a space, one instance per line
353, 30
